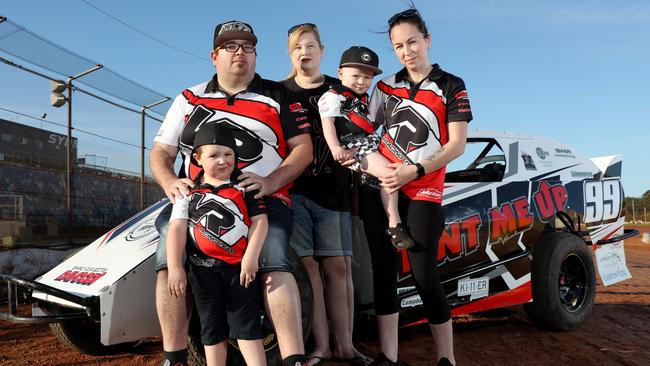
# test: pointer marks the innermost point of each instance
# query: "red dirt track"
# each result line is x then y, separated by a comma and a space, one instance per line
616, 333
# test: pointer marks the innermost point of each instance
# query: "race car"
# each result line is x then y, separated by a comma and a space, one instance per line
524, 217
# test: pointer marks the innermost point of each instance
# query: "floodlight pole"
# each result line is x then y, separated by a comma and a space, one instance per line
69, 165
142, 146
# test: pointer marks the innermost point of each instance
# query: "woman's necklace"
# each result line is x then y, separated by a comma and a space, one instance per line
309, 83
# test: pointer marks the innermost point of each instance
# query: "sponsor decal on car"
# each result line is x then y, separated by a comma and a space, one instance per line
541, 153
411, 301
80, 275
564, 153
402, 290
528, 161
581, 174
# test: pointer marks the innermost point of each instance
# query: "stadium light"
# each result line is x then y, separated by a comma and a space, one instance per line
57, 99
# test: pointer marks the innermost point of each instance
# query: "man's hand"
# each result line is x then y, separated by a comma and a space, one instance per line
249, 269
401, 175
175, 189
253, 182
162, 159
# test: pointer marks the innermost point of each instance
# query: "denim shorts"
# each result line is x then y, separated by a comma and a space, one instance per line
162, 225
318, 231
275, 252
274, 256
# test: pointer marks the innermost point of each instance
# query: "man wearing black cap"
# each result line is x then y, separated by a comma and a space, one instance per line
273, 148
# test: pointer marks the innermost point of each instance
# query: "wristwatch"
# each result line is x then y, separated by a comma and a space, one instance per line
420, 169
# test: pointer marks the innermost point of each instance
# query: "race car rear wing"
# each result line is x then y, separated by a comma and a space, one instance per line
627, 233
609, 166
82, 308
570, 225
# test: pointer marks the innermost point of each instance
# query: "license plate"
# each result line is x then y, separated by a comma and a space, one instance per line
475, 287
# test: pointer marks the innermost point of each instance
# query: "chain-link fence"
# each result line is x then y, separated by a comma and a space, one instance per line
110, 126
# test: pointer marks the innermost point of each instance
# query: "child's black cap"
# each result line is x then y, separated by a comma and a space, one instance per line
361, 57
215, 134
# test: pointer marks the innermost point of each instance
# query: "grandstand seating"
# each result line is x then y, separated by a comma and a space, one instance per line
99, 199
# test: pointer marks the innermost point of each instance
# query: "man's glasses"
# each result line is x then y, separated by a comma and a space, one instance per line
292, 29
234, 47
408, 13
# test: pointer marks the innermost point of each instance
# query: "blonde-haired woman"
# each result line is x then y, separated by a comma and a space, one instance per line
322, 232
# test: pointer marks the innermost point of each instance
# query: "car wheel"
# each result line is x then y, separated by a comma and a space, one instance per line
563, 282
83, 335
196, 352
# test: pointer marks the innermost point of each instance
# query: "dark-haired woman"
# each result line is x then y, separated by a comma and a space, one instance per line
425, 111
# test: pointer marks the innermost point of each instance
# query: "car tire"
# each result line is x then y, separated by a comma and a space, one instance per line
196, 354
84, 337
563, 282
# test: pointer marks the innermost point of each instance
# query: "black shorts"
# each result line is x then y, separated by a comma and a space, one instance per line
224, 304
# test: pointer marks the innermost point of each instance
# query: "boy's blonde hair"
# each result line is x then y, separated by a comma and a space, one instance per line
293, 42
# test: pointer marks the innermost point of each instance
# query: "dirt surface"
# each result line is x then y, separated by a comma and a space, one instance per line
616, 333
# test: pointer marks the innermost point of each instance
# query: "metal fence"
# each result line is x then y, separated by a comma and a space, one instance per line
44, 198
22, 44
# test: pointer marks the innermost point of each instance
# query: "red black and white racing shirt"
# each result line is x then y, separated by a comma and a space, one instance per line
219, 220
263, 117
416, 118
350, 111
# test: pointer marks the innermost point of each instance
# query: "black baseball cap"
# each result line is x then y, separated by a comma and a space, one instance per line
215, 134
362, 57
233, 29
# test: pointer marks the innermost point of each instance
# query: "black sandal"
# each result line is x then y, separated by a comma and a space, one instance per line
399, 237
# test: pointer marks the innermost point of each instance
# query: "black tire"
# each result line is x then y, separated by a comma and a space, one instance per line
84, 336
196, 355
563, 282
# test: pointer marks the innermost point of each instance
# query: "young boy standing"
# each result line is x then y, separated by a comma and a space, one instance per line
228, 228
350, 134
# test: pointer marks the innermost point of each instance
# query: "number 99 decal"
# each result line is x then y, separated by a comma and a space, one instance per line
602, 200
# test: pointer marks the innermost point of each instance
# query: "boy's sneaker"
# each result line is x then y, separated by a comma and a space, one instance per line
382, 360
399, 237
444, 362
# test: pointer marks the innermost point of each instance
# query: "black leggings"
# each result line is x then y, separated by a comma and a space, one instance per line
425, 221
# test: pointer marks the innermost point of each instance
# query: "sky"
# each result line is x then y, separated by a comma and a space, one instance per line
574, 71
